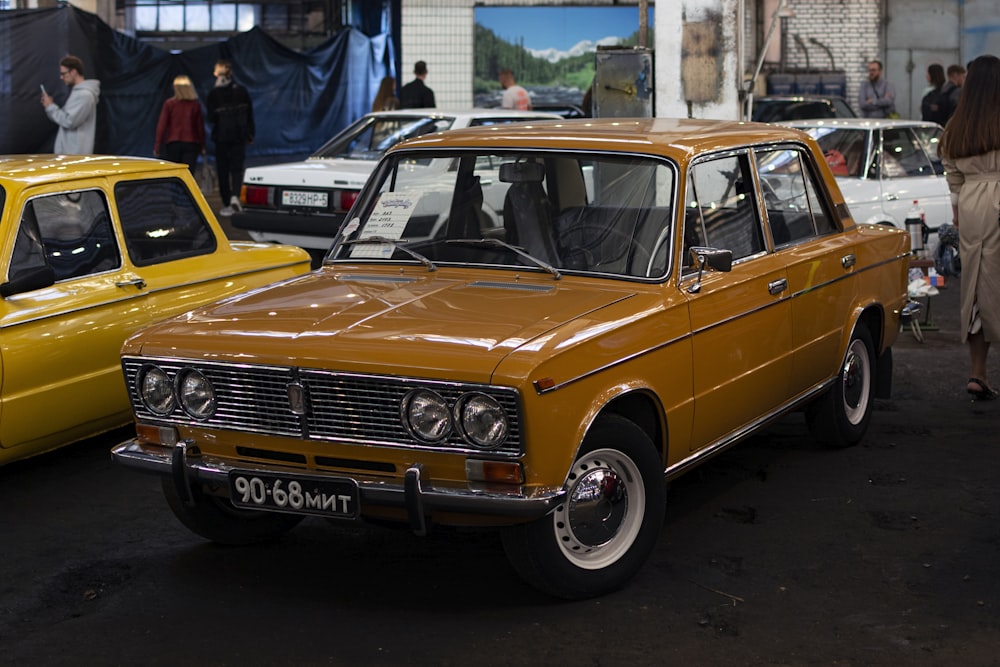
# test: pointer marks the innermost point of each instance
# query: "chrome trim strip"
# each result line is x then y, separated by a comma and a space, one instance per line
373, 491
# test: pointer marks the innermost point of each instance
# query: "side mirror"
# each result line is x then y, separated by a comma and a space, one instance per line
26, 280
716, 259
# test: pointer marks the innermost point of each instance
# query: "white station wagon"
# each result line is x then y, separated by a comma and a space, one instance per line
304, 203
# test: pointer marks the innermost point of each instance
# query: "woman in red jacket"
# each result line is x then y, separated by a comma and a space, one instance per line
180, 132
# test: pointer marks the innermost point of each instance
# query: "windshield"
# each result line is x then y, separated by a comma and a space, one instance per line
549, 212
371, 136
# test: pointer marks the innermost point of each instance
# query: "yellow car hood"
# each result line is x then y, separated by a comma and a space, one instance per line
427, 325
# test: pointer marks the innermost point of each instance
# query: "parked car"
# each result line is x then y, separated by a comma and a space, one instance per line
883, 166
94, 248
781, 108
645, 302
304, 203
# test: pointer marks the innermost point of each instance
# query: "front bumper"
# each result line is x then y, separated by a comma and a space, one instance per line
187, 465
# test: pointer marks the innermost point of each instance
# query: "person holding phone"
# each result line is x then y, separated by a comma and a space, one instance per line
77, 117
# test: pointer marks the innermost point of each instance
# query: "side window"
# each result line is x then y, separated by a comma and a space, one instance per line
902, 154
74, 233
161, 221
791, 199
720, 210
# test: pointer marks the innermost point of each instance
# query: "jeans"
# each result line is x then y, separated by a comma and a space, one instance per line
230, 162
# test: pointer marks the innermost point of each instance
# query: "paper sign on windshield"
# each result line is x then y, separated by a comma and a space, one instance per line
388, 219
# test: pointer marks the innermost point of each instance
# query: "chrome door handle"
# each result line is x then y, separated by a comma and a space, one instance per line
891, 196
138, 283
847, 261
777, 286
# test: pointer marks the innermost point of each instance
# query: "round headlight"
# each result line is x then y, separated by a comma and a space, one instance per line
157, 391
196, 393
426, 415
482, 420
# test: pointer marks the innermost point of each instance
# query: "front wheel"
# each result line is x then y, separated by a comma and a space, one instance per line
216, 519
840, 417
603, 532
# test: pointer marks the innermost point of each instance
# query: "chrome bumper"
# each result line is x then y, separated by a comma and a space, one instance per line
187, 465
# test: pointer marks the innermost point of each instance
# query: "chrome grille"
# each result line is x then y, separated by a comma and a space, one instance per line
345, 407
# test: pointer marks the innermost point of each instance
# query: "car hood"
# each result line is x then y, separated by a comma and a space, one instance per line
315, 172
424, 325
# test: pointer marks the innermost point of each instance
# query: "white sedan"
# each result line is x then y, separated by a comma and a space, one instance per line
305, 203
883, 166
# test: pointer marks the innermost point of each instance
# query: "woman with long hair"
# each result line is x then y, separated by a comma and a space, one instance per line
970, 153
180, 132
385, 98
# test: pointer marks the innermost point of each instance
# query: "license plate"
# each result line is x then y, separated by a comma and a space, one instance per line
299, 198
299, 494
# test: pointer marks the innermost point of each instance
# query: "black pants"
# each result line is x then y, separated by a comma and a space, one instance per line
230, 161
183, 151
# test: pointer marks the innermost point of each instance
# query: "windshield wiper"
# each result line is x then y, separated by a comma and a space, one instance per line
497, 243
395, 243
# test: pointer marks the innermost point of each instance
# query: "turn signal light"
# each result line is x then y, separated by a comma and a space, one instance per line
505, 472
256, 195
156, 435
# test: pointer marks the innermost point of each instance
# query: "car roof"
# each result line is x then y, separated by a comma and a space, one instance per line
465, 113
859, 123
668, 136
795, 97
40, 169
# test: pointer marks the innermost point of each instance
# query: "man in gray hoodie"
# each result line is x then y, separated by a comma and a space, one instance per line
77, 118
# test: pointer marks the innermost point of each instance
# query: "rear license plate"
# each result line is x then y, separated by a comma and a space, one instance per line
299, 494
299, 198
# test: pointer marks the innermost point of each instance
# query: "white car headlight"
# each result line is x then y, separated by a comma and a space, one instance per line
156, 390
426, 415
196, 393
481, 420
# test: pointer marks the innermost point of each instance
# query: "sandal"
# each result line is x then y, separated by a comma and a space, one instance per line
984, 393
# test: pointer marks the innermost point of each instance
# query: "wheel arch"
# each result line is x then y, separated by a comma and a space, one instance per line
644, 409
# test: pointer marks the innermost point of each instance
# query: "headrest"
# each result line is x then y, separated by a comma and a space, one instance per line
522, 172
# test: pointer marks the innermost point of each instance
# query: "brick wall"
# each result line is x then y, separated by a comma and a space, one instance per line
440, 32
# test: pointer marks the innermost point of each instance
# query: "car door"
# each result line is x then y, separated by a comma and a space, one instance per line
906, 173
60, 341
740, 319
816, 259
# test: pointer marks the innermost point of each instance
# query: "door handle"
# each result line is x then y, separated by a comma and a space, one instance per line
777, 286
847, 261
891, 196
136, 282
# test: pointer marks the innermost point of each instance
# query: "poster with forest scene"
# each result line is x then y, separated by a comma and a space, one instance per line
551, 50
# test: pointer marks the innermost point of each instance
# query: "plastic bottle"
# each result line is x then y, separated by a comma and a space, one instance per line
915, 225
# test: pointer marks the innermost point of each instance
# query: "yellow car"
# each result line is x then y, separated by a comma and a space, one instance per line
532, 327
93, 248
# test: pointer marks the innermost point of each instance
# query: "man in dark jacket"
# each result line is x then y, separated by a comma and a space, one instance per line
230, 113
416, 94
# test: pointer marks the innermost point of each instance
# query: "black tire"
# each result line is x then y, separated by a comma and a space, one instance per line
840, 417
567, 556
216, 519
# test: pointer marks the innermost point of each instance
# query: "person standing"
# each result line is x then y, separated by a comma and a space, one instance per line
877, 97
952, 88
970, 153
180, 131
230, 113
77, 118
385, 98
514, 96
416, 94
934, 106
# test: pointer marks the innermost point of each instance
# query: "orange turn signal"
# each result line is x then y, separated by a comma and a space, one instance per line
506, 472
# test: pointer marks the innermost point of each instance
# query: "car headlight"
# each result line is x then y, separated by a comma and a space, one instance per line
196, 394
482, 420
426, 415
156, 390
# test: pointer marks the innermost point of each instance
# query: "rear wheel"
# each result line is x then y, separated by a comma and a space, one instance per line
841, 416
216, 519
603, 532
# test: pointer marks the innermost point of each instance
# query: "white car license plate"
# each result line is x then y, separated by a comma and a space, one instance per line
299, 198
299, 494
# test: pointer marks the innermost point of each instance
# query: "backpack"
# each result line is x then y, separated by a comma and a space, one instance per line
936, 106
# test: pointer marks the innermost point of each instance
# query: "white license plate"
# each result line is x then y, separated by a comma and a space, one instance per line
299, 198
299, 494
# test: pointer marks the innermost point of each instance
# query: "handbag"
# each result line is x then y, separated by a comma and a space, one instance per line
205, 177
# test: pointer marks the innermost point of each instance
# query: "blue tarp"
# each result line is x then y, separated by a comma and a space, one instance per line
300, 99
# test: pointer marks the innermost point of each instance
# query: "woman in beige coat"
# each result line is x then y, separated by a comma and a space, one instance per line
970, 152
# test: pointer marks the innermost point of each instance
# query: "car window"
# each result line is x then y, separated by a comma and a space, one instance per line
69, 231
369, 138
791, 201
843, 148
161, 221
903, 155
930, 137
477, 122
720, 210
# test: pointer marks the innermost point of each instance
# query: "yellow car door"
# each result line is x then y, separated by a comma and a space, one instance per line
740, 319
67, 306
